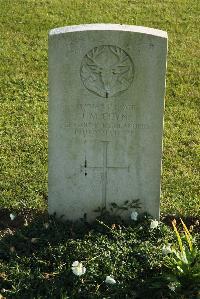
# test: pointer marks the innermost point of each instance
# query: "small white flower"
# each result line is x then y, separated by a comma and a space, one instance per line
134, 215
34, 240
154, 224
12, 217
25, 222
110, 280
46, 225
166, 249
12, 249
172, 286
78, 269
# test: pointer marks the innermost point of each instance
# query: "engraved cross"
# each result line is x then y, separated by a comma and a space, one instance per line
105, 168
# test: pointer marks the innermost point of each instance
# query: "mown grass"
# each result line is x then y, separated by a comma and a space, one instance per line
23, 93
42, 268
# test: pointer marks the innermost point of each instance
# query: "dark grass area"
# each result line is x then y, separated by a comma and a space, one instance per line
27, 216
37, 251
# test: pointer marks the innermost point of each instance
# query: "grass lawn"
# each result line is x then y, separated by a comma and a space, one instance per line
24, 26
24, 93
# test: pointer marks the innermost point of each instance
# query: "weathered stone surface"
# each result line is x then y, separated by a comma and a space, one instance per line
106, 102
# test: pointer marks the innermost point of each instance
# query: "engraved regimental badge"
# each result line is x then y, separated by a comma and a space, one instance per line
107, 70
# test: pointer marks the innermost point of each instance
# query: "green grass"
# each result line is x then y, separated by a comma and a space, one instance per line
36, 262
43, 269
23, 92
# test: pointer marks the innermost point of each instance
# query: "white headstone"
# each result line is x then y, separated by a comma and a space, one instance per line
106, 102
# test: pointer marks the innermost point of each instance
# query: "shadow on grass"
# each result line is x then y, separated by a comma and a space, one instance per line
31, 228
37, 251
30, 216
35, 254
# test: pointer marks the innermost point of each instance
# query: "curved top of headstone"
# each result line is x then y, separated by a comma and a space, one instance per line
112, 27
